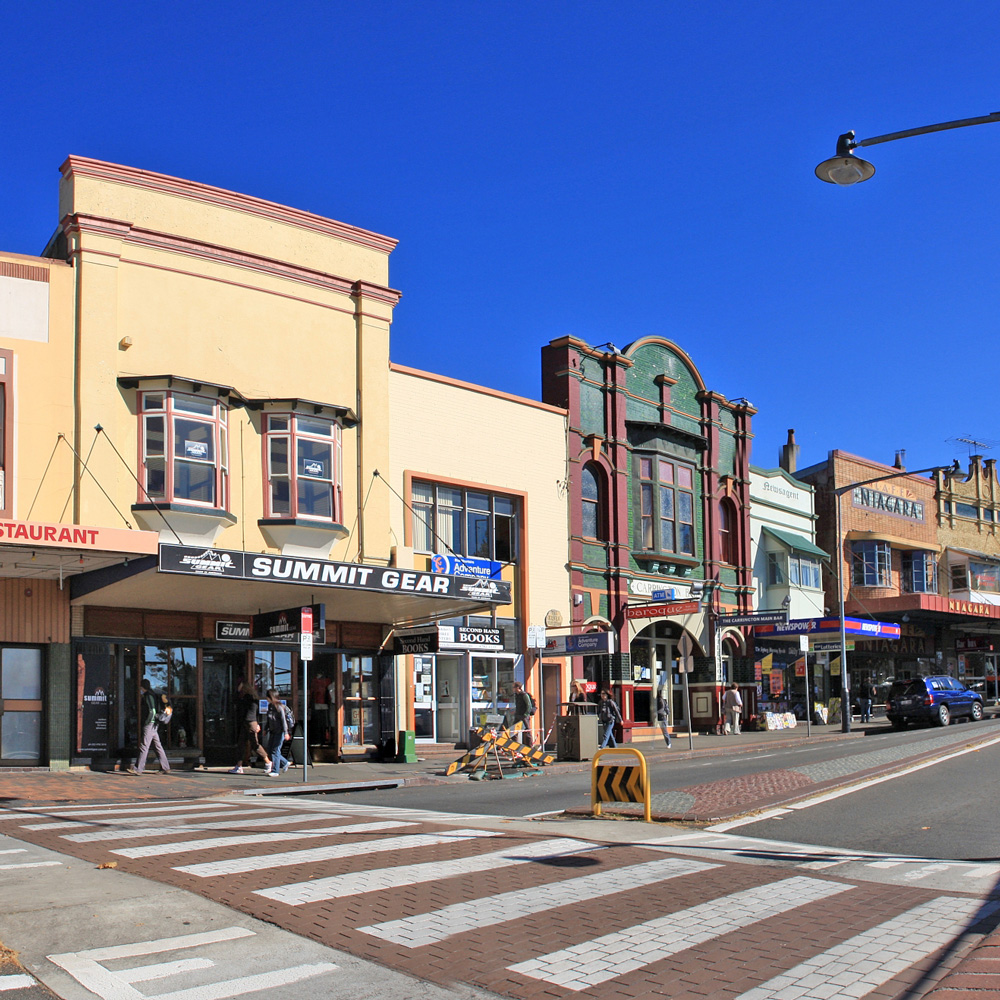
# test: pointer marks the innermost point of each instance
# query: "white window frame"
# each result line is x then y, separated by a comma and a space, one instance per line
295, 433
167, 405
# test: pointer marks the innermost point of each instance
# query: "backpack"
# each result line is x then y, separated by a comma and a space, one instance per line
289, 718
532, 707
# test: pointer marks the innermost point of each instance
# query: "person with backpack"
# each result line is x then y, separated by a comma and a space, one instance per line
278, 731
524, 707
608, 715
151, 715
248, 735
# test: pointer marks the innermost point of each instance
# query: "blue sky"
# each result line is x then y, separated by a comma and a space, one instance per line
605, 170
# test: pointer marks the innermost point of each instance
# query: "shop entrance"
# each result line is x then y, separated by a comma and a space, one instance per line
20, 706
449, 689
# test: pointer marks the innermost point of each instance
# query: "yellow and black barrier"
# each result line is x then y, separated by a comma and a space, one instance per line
507, 742
619, 783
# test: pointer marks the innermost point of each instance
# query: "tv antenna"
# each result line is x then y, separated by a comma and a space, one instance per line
975, 447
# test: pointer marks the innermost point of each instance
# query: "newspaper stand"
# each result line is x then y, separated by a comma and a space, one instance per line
620, 783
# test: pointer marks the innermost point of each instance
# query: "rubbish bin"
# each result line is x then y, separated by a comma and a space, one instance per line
576, 737
297, 749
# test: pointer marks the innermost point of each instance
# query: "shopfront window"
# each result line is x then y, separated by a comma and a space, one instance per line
492, 688
20, 704
273, 669
360, 691
185, 450
173, 670
985, 576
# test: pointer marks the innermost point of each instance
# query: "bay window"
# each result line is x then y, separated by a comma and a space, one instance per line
871, 564
666, 506
304, 456
919, 573
184, 449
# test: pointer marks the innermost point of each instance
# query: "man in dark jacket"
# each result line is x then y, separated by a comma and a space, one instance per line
523, 707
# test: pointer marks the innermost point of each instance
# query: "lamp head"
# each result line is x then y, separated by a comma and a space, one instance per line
845, 168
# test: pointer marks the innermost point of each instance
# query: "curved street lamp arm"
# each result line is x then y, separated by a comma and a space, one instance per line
851, 143
841, 490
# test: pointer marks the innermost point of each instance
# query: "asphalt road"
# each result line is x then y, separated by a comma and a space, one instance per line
948, 810
555, 790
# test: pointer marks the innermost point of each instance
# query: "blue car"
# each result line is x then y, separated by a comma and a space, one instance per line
931, 699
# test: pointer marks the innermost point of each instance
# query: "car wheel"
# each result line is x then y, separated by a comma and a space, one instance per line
943, 715
898, 723
977, 711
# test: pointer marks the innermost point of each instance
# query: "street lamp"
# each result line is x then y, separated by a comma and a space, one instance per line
845, 676
845, 169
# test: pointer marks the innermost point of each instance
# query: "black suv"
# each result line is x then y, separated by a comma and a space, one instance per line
931, 699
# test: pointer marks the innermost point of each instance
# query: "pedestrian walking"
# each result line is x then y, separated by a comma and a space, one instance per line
248, 735
663, 713
732, 704
524, 708
609, 716
865, 700
277, 733
151, 711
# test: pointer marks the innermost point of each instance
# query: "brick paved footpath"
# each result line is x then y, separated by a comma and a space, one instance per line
524, 916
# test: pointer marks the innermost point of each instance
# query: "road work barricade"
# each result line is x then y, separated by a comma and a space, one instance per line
619, 782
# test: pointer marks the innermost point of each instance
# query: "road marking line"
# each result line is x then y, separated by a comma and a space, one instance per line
146, 973
869, 960
439, 925
15, 982
207, 843
590, 963
30, 864
264, 862
142, 832
15, 850
380, 879
113, 811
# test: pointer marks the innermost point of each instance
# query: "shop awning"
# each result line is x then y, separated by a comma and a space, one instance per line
214, 581
972, 553
797, 543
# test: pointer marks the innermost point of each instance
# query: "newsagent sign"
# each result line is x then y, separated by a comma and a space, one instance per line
231, 565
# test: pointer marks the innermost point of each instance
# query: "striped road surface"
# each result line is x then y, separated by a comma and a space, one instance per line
691, 914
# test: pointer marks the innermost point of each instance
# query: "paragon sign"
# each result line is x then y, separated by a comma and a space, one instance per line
195, 561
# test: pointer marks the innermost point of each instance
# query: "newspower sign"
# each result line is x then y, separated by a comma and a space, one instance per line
231, 565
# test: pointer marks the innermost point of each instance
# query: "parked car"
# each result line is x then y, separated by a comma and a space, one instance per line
931, 699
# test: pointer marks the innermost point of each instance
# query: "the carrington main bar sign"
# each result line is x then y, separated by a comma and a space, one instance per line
230, 565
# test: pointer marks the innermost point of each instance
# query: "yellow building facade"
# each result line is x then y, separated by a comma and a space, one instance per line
198, 383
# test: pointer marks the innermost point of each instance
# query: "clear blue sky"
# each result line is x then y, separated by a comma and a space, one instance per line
606, 170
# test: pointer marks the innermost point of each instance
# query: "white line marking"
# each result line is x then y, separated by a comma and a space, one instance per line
112, 828
15, 982
15, 850
86, 969
144, 832
439, 925
590, 963
868, 960
31, 864
262, 862
207, 843
145, 973
377, 880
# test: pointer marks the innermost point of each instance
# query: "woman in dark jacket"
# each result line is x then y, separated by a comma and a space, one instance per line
248, 734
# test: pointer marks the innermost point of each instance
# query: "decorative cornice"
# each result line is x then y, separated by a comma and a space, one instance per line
81, 166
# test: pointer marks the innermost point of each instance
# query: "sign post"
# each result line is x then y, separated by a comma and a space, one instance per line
686, 666
305, 654
804, 649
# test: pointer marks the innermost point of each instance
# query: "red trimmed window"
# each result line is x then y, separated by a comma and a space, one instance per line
304, 457
727, 533
185, 449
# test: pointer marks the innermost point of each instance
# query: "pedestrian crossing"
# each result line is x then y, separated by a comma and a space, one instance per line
564, 915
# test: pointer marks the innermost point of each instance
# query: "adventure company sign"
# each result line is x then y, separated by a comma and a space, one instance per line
195, 561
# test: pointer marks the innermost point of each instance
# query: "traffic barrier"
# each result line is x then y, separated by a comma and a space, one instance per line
620, 783
506, 742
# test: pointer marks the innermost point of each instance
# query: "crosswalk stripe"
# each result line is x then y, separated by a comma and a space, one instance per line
185, 846
139, 832
261, 862
355, 883
439, 925
611, 955
15, 981
29, 864
68, 813
868, 960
